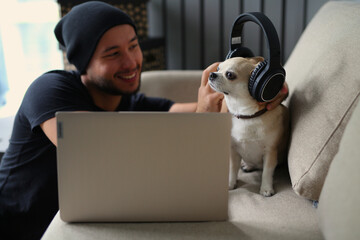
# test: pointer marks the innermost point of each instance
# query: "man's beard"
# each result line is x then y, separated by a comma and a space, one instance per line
107, 86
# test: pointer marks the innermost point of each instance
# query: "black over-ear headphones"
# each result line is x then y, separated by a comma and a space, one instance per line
268, 77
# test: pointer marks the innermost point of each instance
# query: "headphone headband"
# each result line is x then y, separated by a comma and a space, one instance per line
268, 77
266, 26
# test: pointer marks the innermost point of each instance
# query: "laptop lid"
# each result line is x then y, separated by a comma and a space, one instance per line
142, 166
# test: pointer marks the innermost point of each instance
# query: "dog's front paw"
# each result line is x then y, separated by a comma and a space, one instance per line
246, 167
232, 184
267, 192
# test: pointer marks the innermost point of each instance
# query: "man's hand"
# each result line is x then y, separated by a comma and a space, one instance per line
282, 95
208, 99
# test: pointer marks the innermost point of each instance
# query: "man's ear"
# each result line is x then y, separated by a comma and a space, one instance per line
256, 60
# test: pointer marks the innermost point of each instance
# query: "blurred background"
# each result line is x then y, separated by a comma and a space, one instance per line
174, 34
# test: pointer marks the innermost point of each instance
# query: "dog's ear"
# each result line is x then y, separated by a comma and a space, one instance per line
256, 60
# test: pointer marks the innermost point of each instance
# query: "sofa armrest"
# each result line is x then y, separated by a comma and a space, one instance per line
176, 85
323, 78
339, 211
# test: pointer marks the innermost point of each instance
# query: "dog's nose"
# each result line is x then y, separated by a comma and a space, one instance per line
212, 76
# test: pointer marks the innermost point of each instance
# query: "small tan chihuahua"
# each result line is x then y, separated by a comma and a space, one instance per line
259, 137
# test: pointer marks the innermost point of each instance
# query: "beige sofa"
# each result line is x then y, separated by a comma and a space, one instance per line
323, 167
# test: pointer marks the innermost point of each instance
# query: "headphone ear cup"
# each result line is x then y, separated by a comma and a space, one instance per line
253, 78
266, 87
240, 52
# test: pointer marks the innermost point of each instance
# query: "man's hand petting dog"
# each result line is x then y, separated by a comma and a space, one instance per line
208, 99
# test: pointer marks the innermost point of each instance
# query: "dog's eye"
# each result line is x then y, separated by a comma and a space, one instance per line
217, 69
230, 75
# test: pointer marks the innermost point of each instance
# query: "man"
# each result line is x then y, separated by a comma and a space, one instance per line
101, 42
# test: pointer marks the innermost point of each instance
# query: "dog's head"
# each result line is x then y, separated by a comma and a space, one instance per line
232, 76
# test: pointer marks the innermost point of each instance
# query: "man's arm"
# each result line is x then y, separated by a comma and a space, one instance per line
50, 130
191, 107
183, 107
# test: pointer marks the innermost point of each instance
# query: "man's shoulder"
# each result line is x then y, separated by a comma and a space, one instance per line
60, 75
54, 79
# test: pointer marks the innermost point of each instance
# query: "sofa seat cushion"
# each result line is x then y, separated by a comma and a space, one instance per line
323, 77
251, 216
282, 216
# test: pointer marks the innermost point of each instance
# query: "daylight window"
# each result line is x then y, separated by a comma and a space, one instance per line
28, 48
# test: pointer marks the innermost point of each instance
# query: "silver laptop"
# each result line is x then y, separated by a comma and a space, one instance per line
143, 167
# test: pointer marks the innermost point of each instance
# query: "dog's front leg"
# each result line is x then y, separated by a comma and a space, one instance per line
270, 162
234, 168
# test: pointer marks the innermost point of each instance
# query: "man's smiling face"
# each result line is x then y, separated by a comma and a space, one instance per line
115, 66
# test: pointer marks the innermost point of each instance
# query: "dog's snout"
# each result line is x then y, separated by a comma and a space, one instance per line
212, 76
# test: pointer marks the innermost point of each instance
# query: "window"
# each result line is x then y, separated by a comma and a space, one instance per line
28, 47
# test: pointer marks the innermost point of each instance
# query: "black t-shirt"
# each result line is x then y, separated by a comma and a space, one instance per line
28, 173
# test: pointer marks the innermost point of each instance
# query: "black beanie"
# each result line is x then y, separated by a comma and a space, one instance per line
80, 30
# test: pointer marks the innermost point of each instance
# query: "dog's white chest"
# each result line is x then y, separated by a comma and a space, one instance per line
244, 130
248, 139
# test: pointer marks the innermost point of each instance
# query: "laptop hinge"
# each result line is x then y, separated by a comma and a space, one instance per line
60, 130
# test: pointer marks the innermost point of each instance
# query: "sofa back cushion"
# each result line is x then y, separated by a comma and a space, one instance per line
177, 85
324, 82
339, 209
